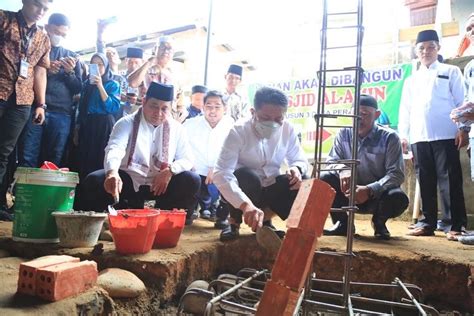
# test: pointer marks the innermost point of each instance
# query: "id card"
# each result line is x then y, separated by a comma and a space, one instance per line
24, 65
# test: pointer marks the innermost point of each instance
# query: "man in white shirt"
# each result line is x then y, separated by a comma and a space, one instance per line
147, 158
237, 107
428, 97
247, 172
206, 136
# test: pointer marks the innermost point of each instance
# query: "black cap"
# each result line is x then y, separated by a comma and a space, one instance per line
368, 100
160, 91
198, 89
134, 52
235, 69
427, 36
58, 19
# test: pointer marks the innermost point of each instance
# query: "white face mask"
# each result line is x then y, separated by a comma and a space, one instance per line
266, 129
56, 40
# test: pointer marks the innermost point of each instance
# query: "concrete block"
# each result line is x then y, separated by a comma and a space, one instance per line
27, 273
311, 206
277, 300
57, 282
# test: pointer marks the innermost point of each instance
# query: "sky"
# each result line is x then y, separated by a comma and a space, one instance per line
279, 37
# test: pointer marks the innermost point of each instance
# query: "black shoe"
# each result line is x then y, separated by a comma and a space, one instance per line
338, 229
281, 233
191, 215
231, 232
221, 224
380, 229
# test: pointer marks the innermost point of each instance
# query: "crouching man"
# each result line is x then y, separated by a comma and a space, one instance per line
247, 172
379, 173
147, 158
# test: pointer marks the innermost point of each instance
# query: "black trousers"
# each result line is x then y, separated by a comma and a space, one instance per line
392, 203
278, 196
433, 161
181, 192
13, 119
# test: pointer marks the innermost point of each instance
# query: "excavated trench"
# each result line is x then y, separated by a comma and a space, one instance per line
200, 256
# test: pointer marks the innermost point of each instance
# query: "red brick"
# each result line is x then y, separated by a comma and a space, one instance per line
27, 273
311, 206
294, 258
277, 300
63, 280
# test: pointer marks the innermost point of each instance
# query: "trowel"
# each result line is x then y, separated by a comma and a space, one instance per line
111, 209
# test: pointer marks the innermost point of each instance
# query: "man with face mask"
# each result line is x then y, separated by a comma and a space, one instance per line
48, 141
147, 158
247, 172
379, 174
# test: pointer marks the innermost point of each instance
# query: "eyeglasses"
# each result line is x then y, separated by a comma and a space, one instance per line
165, 48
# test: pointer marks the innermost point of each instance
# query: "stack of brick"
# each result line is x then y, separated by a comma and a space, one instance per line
305, 224
56, 277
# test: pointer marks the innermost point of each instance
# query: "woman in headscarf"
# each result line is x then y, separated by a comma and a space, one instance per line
100, 101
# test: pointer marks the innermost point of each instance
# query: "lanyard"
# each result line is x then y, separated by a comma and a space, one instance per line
25, 39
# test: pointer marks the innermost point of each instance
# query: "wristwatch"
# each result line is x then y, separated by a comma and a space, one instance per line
43, 106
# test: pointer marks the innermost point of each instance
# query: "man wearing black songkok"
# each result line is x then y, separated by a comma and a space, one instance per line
379, 174
147, 158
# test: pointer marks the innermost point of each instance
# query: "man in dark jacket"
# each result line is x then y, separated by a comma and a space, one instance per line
48, 141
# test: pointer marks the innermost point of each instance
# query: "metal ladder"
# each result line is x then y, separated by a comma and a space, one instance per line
355, 18
353, 21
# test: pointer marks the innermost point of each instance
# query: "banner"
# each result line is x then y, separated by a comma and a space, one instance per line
384, 84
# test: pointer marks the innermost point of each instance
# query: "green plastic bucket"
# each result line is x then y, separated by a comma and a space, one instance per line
40, 192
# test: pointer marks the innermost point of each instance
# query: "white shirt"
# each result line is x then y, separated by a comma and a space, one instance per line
237, 107
428, 97
469, 82
243, 148
144, 166
206, 142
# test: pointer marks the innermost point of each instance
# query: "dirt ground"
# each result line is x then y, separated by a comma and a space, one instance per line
200, 255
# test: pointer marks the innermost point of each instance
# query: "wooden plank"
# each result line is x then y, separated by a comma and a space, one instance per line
277, 300
292, 265
311, 206
305, 224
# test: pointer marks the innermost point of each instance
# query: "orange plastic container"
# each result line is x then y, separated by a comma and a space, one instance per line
170, 227
134, 230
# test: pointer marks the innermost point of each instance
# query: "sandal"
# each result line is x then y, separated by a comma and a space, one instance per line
453, 235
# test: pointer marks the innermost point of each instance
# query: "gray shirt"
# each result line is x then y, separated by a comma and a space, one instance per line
380, 154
